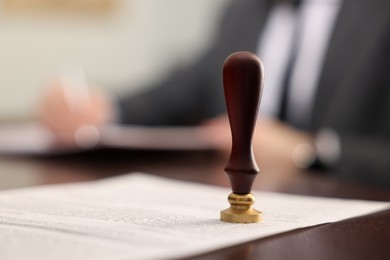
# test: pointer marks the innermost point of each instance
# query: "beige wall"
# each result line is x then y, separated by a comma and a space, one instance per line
139, 41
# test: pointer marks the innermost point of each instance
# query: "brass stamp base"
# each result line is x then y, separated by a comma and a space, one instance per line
241, 210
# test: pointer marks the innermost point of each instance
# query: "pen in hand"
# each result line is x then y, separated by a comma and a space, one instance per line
77, 97
74, 111
71, 110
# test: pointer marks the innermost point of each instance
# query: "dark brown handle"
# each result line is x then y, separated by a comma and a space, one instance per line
243, 83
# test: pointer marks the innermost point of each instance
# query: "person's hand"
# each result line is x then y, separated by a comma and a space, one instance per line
74, 119
280, 147
277, 146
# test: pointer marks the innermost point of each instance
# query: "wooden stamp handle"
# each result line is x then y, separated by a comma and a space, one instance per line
243, 83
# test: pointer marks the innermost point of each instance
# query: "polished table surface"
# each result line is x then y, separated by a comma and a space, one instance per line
366, 237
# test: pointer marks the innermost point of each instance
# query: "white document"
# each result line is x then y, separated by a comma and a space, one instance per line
137, 216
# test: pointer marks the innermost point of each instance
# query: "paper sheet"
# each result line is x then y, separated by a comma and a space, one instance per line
138, 216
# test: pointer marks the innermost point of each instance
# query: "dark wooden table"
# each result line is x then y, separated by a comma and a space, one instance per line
366, 237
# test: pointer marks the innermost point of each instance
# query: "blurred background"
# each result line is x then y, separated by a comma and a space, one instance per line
122, 44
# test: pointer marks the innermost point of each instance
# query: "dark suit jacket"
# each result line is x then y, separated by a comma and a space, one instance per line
353, 95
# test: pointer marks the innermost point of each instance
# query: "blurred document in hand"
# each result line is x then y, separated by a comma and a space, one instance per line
31, 138
137, 216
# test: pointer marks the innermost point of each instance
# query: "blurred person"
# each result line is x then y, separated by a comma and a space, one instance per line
326, 97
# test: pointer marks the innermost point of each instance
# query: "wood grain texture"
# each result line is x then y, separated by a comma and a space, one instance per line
243, 84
